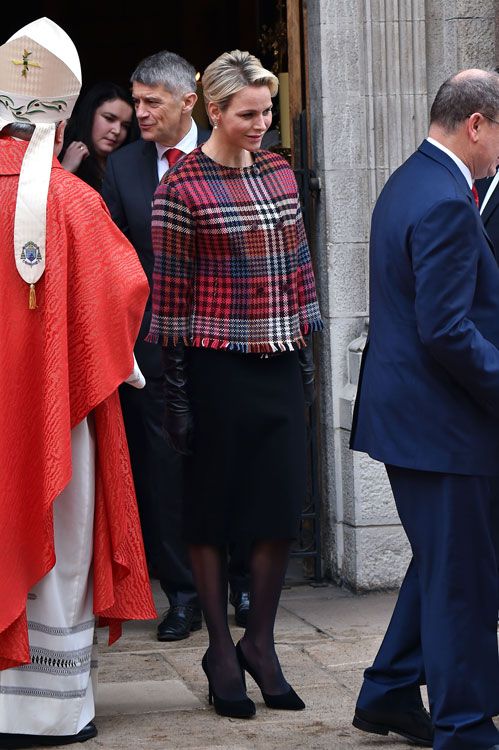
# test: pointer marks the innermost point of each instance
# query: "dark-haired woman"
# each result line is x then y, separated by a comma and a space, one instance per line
104, 120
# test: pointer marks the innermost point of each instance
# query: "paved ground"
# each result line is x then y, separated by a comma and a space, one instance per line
154, 695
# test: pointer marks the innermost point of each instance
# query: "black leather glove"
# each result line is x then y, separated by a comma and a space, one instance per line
178, 417
306, 360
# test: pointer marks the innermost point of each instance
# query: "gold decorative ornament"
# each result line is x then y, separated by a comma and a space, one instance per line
32, 297
26, 63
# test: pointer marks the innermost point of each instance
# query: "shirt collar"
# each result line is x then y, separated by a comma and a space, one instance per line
187, 144
462, 166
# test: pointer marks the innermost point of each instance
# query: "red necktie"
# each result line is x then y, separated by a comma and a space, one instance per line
173, 155
475, 194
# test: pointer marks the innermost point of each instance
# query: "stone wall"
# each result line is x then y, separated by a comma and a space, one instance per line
375, 67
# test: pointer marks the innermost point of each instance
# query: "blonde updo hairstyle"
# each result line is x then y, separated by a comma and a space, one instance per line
230, 73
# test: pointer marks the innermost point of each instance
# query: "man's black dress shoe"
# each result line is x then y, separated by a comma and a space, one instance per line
16, 741
414, 724
240, 600
179, 622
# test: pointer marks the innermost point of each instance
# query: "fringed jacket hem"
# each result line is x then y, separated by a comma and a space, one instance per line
232, 265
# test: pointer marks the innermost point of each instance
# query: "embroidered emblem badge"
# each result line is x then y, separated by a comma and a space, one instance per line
26, 63
30, 254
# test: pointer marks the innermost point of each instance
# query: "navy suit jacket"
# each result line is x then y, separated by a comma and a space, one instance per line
130, 181
428, 396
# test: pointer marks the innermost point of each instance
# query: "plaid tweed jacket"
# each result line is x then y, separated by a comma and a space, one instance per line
232, 265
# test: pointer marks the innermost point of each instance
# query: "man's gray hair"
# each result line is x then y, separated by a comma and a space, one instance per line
462, 95
166, 69
22, 130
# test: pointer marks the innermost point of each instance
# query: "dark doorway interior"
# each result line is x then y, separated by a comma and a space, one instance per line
112, 38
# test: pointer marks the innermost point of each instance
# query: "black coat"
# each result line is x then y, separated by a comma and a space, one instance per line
490, 214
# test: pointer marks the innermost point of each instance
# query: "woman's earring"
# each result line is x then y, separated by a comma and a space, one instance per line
215, 124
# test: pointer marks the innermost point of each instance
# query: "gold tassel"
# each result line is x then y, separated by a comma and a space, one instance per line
32, 297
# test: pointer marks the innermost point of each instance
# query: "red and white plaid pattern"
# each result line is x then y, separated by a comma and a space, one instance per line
232, 265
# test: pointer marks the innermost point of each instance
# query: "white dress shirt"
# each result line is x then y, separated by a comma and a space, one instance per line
462, 166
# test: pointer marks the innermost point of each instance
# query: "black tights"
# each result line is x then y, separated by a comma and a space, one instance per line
268, 563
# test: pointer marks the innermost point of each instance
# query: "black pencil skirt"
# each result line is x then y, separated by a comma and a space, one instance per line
246, 479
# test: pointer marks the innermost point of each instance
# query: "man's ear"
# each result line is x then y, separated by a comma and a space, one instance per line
473, 125
59, 132
59, 137
189, 102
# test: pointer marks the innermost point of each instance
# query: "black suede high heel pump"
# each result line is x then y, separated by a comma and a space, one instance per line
243, 708
288, 701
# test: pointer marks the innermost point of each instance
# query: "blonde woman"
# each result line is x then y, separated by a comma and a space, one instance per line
234, 304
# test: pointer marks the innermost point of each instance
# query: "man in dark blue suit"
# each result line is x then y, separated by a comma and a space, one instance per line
428, 407
163, 90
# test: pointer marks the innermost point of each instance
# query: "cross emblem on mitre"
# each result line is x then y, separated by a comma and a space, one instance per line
26, 63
